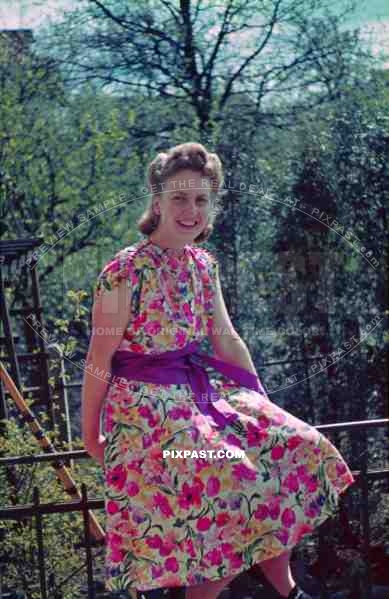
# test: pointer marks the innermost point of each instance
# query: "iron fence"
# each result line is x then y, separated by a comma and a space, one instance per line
37, 510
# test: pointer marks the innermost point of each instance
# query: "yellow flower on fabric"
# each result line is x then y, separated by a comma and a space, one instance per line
163, 338
126, 443
260, 527
142, 261
312, 464
270, 545
146, 498
225, 482
140, 548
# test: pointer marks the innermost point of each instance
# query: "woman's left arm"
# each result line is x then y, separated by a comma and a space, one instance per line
225, 341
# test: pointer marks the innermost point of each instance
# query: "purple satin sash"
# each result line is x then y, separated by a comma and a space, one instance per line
185, 366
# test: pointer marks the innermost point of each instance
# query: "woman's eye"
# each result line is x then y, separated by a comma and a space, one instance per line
181, 199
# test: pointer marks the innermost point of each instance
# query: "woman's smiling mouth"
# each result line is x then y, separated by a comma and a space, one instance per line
187, 224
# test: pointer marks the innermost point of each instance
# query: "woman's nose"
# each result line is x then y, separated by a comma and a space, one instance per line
190, 211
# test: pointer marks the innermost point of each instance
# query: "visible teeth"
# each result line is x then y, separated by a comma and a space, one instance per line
186, 223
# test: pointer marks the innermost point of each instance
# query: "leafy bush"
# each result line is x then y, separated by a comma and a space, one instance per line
64, 563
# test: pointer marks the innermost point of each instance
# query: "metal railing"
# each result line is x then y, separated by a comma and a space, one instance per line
38, 510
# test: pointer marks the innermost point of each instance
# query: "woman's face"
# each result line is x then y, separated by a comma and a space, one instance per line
185, 200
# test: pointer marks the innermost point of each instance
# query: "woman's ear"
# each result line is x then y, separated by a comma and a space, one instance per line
155, 204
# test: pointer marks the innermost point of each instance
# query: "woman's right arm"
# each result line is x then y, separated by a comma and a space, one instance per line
110, 318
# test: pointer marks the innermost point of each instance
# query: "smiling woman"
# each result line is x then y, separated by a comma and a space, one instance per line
193, 522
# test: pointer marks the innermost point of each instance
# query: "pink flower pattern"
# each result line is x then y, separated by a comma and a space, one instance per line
175, 522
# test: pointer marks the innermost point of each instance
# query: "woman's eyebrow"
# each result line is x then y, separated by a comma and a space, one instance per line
184, 193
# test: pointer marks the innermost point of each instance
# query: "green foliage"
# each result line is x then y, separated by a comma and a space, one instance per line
61, 532
63, 155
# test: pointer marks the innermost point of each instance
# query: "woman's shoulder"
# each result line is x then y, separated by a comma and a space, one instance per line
122, 258
203, 253
206, 259
210, 255
122, 265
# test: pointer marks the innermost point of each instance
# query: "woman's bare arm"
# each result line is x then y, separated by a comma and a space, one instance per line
110, 317
225, 341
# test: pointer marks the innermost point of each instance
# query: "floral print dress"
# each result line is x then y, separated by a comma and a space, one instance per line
180, 522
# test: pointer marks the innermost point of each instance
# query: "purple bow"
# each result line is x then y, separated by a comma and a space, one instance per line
185, 366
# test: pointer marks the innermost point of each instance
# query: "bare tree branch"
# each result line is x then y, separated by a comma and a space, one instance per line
250, 58
162, 50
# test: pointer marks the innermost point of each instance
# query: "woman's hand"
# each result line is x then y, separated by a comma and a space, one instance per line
96, 449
